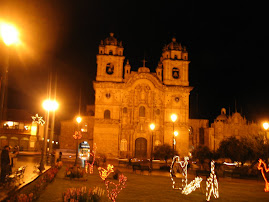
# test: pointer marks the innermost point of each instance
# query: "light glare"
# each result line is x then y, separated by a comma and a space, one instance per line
152, 126
265, 125
9, 34
50, 105
173, 117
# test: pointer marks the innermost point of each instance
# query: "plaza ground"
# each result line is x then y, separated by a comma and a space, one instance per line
145, 187
156, 186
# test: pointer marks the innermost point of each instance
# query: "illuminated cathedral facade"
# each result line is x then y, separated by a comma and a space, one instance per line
127, 102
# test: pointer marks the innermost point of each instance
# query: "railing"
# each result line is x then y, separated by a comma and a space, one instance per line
14, 131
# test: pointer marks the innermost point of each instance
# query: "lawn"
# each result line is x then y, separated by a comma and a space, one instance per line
159, 188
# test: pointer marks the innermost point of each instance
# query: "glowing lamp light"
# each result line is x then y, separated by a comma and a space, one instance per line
33, 130
50, 105
9, 34
265, 125
10, 123
175, 133
78, 119
173, 117
152, 126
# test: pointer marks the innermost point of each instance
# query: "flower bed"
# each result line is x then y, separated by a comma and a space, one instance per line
32, 191
82, 194
74, 172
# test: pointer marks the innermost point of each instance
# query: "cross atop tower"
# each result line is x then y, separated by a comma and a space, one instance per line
144, 62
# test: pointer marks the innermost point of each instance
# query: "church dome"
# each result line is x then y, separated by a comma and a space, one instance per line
111, 40
174, 45
222, 117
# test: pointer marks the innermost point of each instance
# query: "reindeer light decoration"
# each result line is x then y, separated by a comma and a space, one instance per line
212, 186
105, 172
113, 193
89, 166
262, 167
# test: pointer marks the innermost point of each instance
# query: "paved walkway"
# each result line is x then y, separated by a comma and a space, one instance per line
30, 174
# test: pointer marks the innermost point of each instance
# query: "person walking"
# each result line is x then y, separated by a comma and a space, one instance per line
5, 163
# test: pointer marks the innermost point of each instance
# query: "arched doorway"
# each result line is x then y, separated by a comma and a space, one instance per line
24, 143
141, 148
14, 141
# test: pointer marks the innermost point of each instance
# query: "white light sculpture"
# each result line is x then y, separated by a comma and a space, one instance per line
186, 188
212, 185
192, 186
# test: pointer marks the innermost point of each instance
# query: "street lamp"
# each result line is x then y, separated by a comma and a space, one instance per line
48, 105
173, 118
77, 136
175, 135
266, 126
10, 36
152, 127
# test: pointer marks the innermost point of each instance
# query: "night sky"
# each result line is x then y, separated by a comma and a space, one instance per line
227, 44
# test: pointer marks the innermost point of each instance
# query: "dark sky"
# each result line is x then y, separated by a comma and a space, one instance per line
227, 44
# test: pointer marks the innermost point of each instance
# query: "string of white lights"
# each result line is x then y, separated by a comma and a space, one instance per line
192, 186
212, 185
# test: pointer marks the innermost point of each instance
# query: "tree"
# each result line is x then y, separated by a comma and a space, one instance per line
230, 148
247, 148
202, 153
163, 152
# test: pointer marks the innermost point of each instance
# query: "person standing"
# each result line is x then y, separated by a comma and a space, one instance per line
5, 163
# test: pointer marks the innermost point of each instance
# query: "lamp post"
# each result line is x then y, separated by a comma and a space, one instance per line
173, 118
152, 127
77, 136
266, 126
175, 142
10, 36
48, 105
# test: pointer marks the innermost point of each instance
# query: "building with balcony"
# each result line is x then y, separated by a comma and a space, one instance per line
19, 130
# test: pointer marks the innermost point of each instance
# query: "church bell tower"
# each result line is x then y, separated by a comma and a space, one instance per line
110, 60
175, 64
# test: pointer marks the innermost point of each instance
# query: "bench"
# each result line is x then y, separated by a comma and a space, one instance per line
202, 173
231, 173
141, 167
15, 177
123, 162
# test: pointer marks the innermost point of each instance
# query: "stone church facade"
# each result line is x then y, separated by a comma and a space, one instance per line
226, 126
127, 102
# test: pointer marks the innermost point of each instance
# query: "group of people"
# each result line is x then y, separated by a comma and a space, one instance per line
7, 161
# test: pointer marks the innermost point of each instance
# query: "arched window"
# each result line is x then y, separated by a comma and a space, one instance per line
107, 114
123, 145
175, 57
110, 52
109, 68
142, 111
124, 110
175, 73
